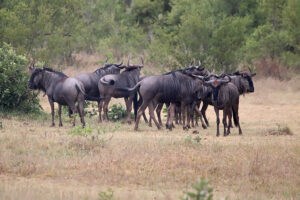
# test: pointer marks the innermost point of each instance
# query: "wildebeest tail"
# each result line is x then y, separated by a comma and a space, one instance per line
87, 97
135, 105
130, 90
234, 114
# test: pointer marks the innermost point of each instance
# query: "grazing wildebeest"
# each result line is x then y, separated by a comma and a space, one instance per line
90, 80
108, 83
174, 87
225, 96
61, 89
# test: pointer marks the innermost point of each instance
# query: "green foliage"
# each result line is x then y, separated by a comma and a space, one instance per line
201, 191
222, 34
116, 112
109, 195
14, 93
78, 130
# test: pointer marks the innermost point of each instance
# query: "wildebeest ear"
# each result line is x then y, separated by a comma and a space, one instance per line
199, 63
254, 74
142, 62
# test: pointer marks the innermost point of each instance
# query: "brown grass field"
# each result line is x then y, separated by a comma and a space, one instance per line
41, 162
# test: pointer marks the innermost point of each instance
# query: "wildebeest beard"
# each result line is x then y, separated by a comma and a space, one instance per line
215, 91
251, 86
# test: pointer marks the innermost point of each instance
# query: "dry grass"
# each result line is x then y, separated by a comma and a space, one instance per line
39, 162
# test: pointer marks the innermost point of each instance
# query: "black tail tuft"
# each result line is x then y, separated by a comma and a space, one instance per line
135, 105
234, 117
87, 97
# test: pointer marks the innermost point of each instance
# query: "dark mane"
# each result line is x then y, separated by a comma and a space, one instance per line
61, 74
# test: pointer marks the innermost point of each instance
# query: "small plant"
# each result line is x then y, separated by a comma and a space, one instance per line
1, 126
116, 112
109, 195
201, 191
280, 130
193, 140
78, 130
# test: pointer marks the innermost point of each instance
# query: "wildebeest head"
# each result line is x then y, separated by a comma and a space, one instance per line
215, 85
133, 67
246, 80
37, 76
110, 68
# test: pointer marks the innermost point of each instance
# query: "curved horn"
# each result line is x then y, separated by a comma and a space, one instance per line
197, 76
192, 62
120, 63
142, 61
128, 61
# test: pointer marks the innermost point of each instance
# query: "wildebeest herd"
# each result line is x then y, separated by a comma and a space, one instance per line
182, 91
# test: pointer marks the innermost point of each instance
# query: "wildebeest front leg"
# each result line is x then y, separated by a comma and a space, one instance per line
218, 120
203, 112
158, 112
183, 116
200, 116
52, 110
171, 113
225, 111
59, 115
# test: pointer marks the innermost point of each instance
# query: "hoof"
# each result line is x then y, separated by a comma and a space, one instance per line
204, 127
52, 125
60, 125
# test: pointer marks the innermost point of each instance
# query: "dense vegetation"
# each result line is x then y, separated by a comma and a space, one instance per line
14, 93
224, 34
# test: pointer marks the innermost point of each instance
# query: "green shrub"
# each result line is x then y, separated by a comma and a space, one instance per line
201, 191
116, 112
109, 195
14, 93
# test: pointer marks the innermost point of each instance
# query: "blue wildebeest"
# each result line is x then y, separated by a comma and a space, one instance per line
225, 96
61, 89
241, 79
174, 87
108, 83
90, 80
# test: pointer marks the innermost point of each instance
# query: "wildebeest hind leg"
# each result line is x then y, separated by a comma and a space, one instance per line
59, 115
158, 112
128, 102
80, 109
200, 116
52, 110
218, 120
100, 106
151, 113
225, 111
139, 114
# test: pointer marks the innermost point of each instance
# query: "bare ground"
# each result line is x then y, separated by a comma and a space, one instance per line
40, 162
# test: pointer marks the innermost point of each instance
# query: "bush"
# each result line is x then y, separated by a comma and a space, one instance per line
202, 191
116, 112
14, 93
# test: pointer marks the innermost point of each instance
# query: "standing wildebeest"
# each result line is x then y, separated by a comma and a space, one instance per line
241, 79
90, 80
61, 89
225, 96
173, 87
191, 70
107, 85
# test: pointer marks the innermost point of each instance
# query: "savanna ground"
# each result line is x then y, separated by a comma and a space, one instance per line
41, 162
